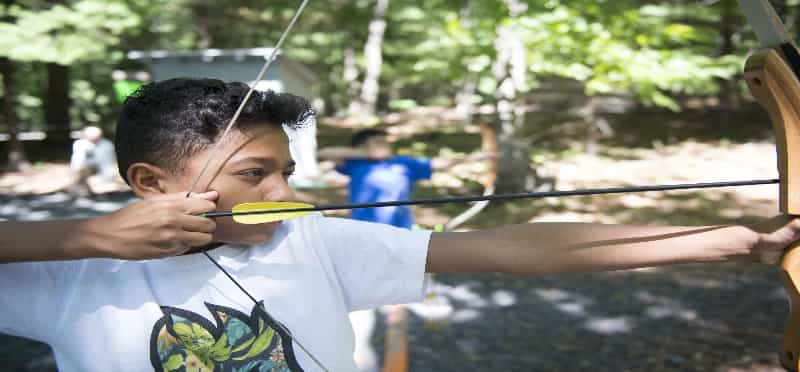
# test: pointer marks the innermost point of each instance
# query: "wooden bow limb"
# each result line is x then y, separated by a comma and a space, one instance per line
776, 87
488, 146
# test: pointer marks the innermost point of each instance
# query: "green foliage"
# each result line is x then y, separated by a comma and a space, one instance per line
653, 51
65, 34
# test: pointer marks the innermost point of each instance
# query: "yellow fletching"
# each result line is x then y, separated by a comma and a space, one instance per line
256, 218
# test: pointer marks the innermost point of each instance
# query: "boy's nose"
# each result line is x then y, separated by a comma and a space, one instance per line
279, 191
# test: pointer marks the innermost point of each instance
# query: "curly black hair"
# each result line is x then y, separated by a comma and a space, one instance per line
166, 122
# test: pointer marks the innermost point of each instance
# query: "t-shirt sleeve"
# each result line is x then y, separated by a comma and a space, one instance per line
421, 167
375, 264
32, 297
345, 167
80, 151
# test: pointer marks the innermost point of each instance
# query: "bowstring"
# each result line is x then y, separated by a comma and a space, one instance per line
247, 96
215, 150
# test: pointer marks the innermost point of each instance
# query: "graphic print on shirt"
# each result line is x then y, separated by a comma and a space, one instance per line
183, 341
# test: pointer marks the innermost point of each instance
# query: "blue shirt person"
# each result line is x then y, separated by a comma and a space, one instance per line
378, 180
377, 175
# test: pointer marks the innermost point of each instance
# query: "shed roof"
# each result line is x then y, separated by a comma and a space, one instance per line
205, 54
208, 55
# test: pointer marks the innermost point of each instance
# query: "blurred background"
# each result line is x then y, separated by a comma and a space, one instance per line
568, 93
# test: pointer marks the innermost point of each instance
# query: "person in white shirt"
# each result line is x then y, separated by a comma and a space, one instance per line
104, 306
93, 156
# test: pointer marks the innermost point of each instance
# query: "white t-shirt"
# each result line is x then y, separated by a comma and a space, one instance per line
99, 155
116, 315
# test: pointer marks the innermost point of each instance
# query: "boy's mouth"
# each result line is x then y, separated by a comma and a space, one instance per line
272, 226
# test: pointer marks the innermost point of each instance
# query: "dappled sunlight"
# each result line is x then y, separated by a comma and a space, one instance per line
563, 301
59, 205
660, 307
458, 304
609, 326
503, 298
687, 315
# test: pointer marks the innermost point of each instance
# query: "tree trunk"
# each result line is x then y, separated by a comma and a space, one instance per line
514, 173
57, 103
373, 59
350, 77
201, 25
16, 153
727, 28
465, 99
597, 126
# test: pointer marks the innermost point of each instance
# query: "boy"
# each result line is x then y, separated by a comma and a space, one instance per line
181, 313
377, 175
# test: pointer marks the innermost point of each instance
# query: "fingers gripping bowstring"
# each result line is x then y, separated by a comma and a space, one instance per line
215, 150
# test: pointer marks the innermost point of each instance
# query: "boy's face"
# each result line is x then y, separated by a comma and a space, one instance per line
378, 147
251, 166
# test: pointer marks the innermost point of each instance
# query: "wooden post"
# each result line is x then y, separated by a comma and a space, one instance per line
396, 353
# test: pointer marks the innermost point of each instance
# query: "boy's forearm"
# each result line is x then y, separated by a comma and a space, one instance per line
161, 226
546, 248
440, 163
49, 240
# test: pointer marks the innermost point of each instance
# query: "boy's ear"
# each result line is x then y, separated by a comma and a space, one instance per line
147, 180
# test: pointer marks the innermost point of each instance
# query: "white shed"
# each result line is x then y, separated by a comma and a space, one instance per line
284, 75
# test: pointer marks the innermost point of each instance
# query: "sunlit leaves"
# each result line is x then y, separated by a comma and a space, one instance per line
650, 50
84, 30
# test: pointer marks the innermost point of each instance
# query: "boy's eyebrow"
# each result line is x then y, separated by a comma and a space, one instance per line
264, 160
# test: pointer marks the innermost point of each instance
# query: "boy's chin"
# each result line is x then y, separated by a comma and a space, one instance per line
245, 240
253, 235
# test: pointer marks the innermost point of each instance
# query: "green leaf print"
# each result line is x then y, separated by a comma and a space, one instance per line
183, 341
244, 345
174, 362
221, 351
262, 342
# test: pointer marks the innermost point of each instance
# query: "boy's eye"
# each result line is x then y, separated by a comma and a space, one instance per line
252, 172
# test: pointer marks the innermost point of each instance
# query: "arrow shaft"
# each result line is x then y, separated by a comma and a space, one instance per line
495, 197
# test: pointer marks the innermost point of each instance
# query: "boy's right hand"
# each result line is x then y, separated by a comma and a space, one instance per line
159, 227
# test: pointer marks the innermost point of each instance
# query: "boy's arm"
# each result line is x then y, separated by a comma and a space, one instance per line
150, 228
439, 163
548, 248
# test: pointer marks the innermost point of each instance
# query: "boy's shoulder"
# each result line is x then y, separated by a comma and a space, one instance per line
406, 159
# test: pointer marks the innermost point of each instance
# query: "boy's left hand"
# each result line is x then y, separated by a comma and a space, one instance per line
776, 235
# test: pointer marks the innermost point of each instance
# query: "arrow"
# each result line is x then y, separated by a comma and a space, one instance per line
263, 212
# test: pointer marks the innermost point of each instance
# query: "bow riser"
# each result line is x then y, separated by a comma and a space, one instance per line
775, 86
